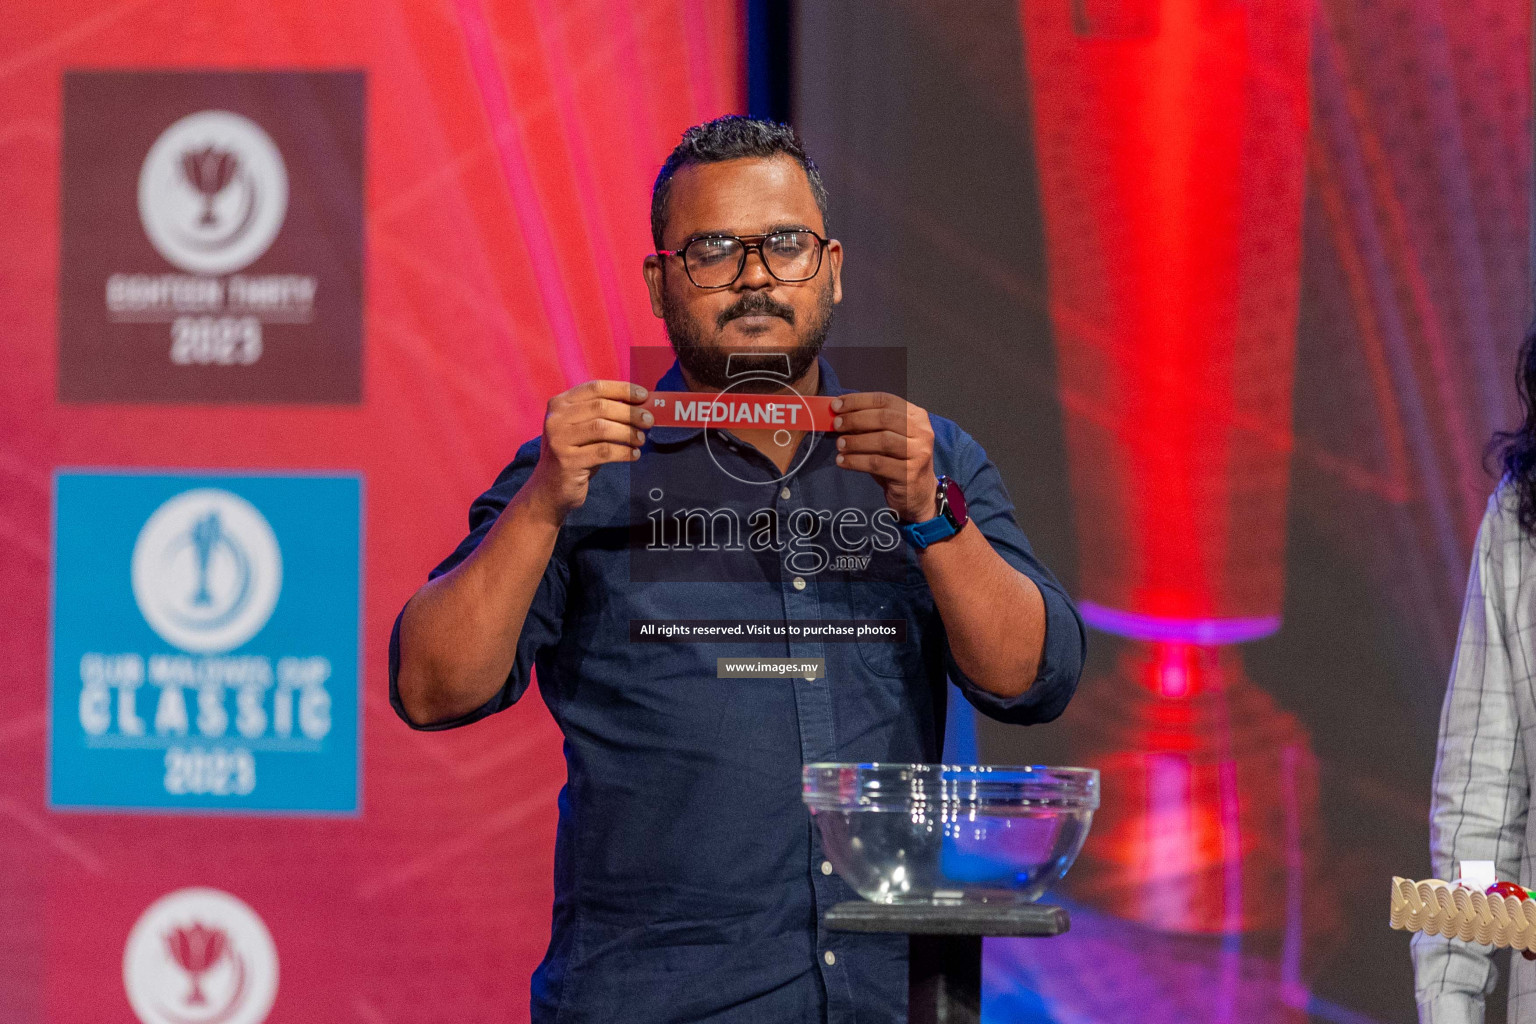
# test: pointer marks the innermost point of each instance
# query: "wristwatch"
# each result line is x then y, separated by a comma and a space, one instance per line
952, 517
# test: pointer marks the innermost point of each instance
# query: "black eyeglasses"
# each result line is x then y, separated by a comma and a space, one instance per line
716, 261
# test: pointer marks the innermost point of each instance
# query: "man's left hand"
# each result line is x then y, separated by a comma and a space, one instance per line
892, 440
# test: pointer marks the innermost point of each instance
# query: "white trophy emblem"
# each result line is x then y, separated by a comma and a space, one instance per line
207, 571
213, 192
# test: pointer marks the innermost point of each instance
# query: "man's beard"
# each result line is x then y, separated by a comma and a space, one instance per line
713, 365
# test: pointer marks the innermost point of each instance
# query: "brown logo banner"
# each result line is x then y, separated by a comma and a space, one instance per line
211, 245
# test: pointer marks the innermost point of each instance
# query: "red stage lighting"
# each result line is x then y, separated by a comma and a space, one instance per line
1171, 140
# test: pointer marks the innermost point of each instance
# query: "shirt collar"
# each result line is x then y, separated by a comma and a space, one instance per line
672, 380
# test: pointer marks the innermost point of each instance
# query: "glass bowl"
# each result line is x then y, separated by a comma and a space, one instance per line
932, 833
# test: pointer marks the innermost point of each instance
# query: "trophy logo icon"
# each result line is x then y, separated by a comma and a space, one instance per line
198, 949
206, 571
207, 534
213, 192
200, 956
209, 170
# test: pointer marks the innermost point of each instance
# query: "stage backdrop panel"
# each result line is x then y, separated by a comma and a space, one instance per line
284, 286
1231, 292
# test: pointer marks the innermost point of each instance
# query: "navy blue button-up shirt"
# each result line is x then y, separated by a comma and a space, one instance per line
689, 881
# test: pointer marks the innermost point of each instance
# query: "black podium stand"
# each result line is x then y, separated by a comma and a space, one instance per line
944, 976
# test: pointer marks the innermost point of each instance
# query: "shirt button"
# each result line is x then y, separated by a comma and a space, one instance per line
826, 867
799, 583
784, 494
830, 958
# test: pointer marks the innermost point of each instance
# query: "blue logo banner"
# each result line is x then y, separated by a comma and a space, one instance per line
205, 643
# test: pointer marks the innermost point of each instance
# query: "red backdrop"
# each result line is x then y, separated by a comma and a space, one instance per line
510, 147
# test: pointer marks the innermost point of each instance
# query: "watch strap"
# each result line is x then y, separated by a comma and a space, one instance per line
929, 531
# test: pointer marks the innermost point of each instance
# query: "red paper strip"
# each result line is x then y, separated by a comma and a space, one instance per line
746, 412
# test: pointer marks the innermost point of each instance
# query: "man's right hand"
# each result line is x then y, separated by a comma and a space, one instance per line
593, 423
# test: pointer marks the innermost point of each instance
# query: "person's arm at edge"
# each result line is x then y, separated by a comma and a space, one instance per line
1480, 784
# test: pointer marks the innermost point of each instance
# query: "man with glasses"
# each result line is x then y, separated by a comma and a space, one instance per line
689, 881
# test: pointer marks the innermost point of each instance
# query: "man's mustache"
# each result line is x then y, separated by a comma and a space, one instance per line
755, 304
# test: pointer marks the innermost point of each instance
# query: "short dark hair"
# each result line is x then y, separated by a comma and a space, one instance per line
731, 138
